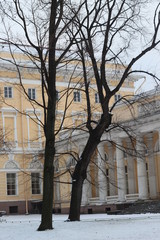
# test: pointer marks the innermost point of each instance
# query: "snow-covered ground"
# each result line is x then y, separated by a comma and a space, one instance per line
91, 227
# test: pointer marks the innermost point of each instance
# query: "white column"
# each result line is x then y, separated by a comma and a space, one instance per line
102, 181
141, 169
111, 163
151, 168
131, 170
120, 171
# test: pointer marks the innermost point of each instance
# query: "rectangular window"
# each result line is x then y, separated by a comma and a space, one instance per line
36, 183
13, 209
97, 98
8, 92
11, 184
117, 97
77, 96
32, 93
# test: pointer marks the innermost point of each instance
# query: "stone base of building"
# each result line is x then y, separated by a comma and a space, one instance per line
21, 207
90, 209
35, 207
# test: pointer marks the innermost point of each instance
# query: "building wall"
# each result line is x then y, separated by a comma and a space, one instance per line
24, 141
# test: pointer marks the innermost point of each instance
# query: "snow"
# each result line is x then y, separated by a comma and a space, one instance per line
91, 227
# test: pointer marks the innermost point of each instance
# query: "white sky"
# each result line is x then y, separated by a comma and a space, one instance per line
151, 61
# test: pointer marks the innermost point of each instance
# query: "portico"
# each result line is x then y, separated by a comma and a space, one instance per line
130, 170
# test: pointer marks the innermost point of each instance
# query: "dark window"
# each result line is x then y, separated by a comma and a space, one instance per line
36, 183
32, 93
117, 97
90, 211
77, 96
8, 92
13, 209
11, 184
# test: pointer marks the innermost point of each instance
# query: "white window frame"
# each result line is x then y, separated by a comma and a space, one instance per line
77, 96
32, 93
16, 184
8, 92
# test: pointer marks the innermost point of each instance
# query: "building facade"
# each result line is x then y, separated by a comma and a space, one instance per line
125, 166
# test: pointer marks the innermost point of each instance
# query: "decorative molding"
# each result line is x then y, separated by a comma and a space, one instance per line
36, 164
11, 165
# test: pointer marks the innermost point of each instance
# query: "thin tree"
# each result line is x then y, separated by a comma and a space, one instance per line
38, 29
107, 34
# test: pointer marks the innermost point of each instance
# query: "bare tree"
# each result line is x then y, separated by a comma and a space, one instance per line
38, 29
53, 33
108, 33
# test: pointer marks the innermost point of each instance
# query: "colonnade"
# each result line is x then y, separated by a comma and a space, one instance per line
129, 173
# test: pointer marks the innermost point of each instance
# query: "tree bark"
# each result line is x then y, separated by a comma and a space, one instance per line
79, 175
75, 204
80, 172
46, 221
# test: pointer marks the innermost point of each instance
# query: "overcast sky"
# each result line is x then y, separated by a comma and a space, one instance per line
151, 61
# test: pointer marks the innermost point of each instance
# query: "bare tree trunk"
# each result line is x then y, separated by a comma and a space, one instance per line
80, 172
46, 221
79, 175
75, 204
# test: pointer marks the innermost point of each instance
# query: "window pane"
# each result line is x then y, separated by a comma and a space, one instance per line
11, 183
117, 97
35, 179
32, 93
8, 92
29, 93
5, 92
76, 96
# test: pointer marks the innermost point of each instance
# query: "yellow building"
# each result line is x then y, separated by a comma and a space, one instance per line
123, 172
